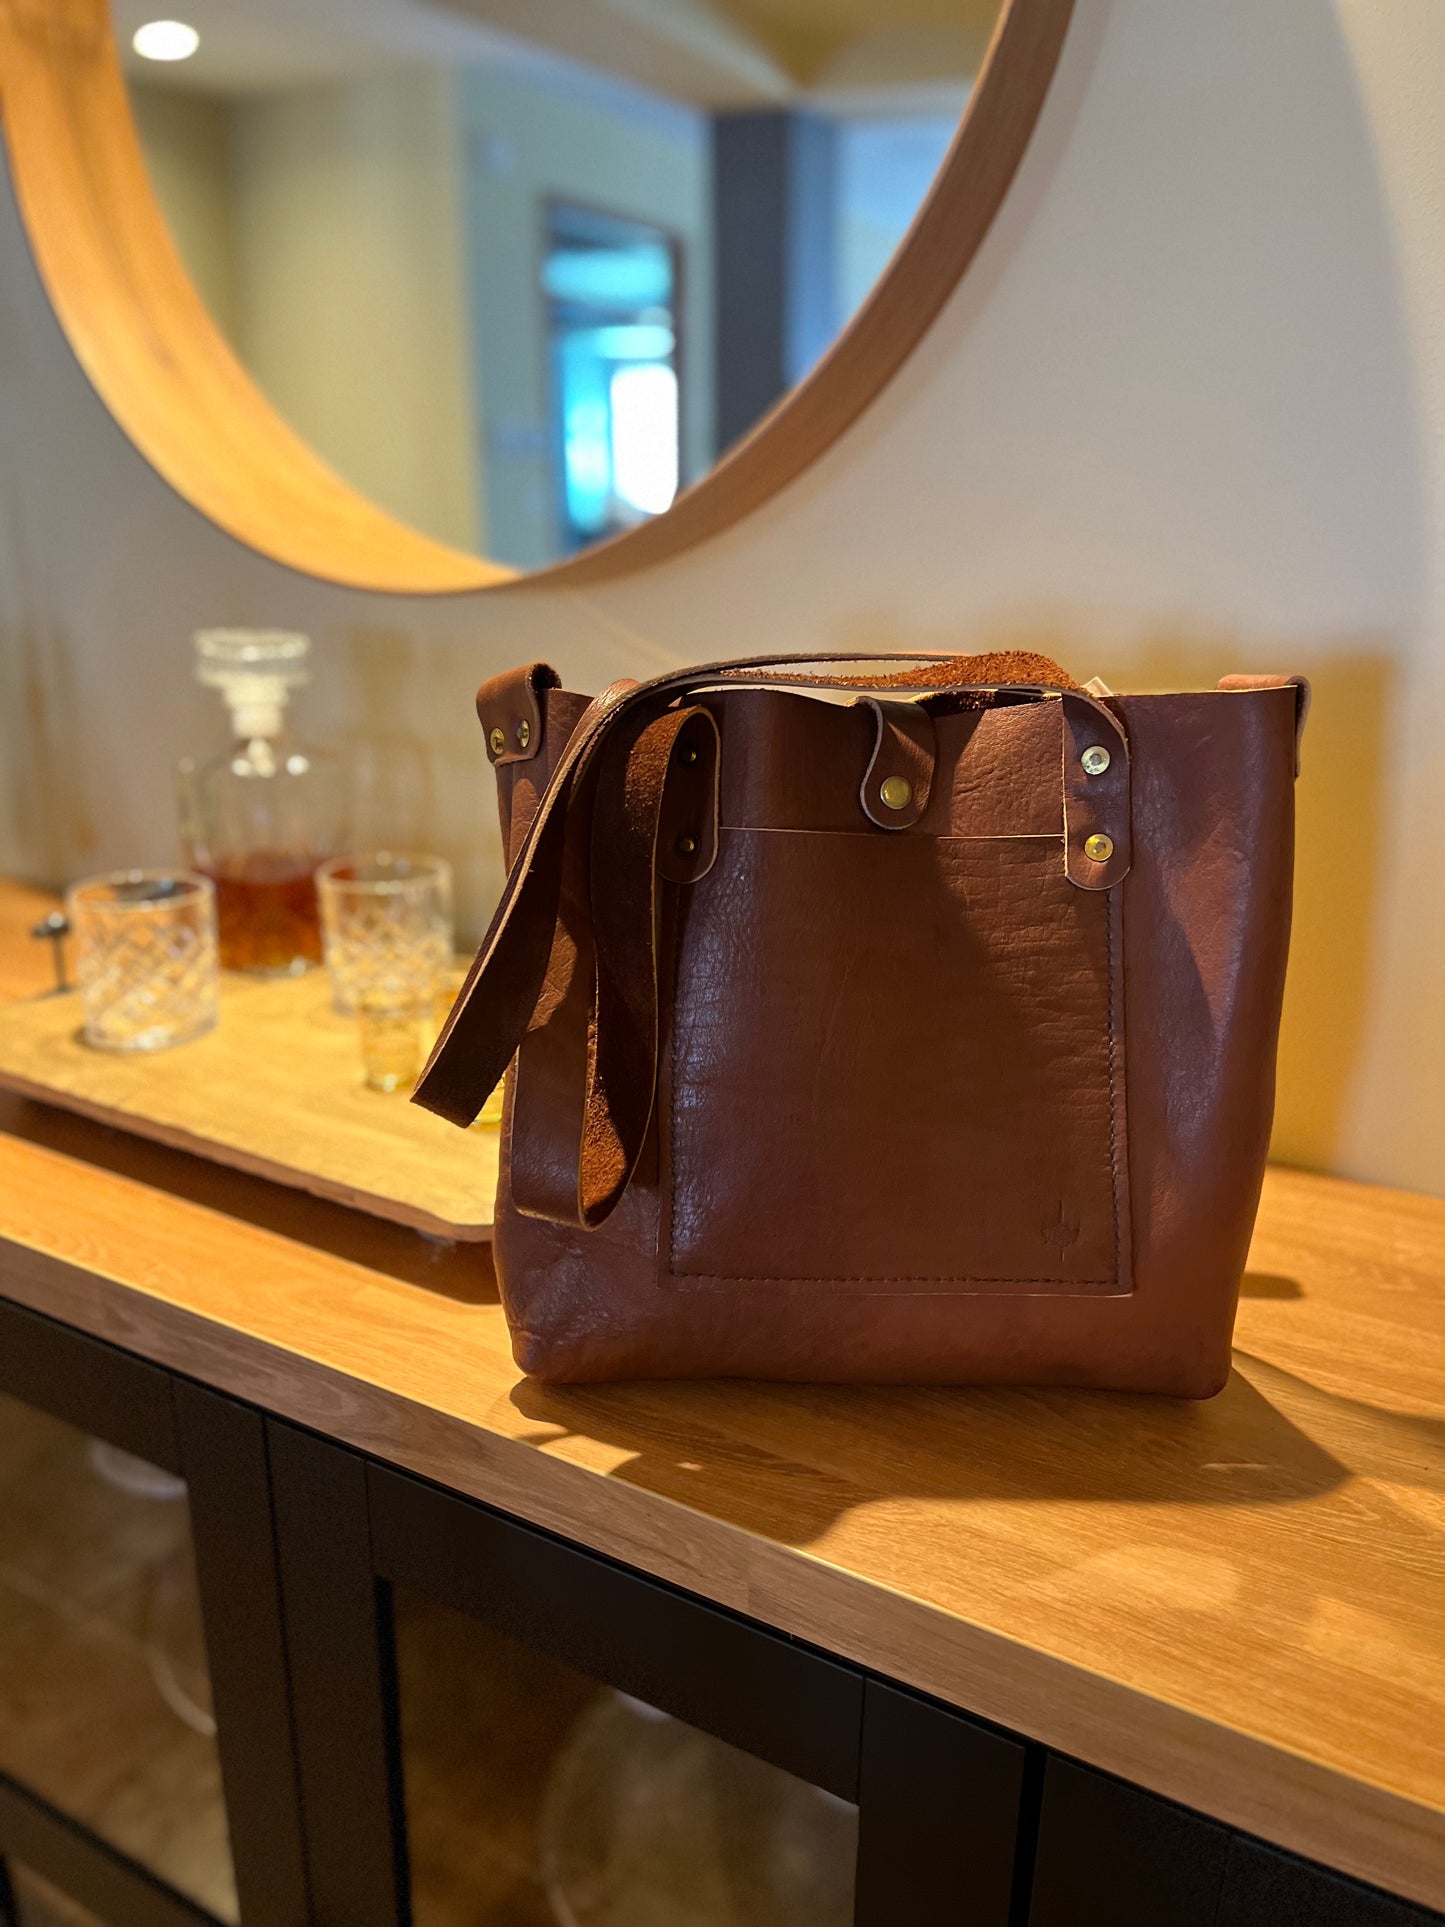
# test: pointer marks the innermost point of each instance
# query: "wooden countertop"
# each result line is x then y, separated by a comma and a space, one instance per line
1240, 1604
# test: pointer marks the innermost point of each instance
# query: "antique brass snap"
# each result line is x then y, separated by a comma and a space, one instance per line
896, 792
687, 755
1099, 847
497, 741
686, 846
1095, 760
524, 733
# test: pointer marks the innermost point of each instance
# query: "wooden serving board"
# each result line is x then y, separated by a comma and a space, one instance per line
275, 1089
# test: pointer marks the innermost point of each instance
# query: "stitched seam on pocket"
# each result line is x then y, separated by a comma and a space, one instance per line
1056, 1287
1053, 1286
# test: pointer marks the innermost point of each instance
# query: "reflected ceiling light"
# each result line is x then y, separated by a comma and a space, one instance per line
165, 40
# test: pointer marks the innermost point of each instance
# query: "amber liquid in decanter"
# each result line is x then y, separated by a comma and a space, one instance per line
258, 818
266, 912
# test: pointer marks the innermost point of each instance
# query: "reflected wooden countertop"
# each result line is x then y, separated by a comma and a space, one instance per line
1240, 1604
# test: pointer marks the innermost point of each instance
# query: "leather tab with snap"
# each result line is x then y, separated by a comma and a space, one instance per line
512, 711
899, 778
687, 819
1096, 793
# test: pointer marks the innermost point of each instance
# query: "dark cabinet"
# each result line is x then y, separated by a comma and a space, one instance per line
943, 1804
251, 1678
144, 1727
1265, 1888
1110, 1855
570, 1744
30, 1901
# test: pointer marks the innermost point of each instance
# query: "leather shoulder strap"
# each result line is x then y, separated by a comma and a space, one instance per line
504, 989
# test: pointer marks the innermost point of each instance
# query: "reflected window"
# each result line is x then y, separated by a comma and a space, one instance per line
611, 289
886, 166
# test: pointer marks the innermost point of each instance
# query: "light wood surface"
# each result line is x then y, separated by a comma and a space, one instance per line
1239, 1604
26, 965
275, 1089
148, 345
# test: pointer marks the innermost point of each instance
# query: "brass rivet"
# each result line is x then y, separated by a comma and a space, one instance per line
497, 741
896, 792
524, 733
1095, 760
687, 755
687, 846
1099, 847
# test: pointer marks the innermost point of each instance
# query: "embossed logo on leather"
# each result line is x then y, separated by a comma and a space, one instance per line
1060, 1231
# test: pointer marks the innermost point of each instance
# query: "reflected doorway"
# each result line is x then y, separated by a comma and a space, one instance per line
613, 327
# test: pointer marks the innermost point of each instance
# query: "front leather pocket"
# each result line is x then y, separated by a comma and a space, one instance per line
896, 1065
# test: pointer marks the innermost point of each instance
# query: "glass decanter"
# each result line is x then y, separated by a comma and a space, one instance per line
259, 818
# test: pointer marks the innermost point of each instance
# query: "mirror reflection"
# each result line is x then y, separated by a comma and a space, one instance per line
521, 269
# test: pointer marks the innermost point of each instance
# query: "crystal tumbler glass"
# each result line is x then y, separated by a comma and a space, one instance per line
448, 988
386, 924
391, 1024
145, 956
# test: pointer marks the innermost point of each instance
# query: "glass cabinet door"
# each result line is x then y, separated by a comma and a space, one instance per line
147, 1758
537, 1797
105, 1697
33, 1902
498, 1728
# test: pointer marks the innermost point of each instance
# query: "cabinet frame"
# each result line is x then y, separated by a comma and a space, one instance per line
218, 1447
349, 1530
1111, 1854
299, 1542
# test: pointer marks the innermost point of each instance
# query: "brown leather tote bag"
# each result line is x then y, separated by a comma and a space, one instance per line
901, 1023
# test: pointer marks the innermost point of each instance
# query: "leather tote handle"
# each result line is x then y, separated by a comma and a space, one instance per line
596, 828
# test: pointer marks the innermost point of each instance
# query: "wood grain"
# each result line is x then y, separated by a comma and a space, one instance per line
1240, 1604
143, 336
276, 1090
26, 968
1237, 1604
145, 339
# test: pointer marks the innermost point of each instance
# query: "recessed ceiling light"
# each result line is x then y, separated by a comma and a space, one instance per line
165, 40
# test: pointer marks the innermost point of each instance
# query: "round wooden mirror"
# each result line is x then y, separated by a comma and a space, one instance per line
446, 296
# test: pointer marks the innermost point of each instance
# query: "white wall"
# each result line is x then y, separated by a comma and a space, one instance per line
351, 284
186, 138
1186, 414
323, 226
605, 146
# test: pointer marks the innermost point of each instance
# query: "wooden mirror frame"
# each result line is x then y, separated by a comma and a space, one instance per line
157, 360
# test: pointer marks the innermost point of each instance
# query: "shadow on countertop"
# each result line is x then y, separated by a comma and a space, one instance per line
788, 1460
